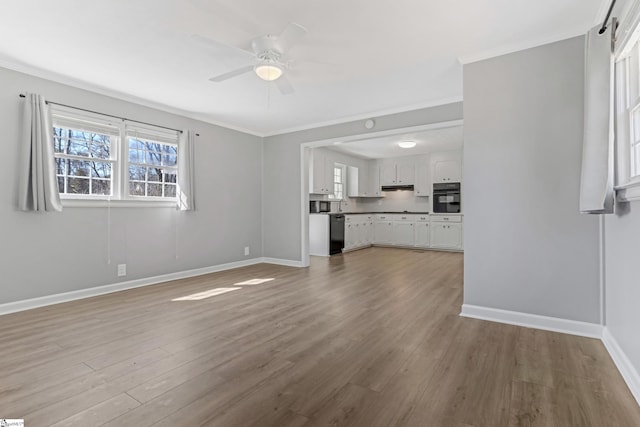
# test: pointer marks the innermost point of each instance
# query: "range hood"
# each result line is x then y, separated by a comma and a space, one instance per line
397, 188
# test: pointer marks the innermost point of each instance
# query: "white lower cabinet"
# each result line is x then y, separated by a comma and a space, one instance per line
446, 232
358, 231
403, 230
383, 230
422, 234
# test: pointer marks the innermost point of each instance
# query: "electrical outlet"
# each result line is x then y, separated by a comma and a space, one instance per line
122, 270
246, 250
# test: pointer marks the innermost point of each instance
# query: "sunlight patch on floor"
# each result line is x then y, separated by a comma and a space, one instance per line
206, 294
253, 282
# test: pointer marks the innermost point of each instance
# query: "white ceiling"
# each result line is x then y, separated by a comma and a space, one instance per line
427, 141
377, 56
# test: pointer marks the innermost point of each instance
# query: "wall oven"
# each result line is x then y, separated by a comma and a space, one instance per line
446, 197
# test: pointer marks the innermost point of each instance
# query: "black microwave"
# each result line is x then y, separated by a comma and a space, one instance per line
318, 206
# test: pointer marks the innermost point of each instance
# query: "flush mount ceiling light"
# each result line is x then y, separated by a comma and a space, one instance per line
268, 71
406, 144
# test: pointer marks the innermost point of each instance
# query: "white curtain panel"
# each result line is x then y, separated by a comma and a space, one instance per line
38, 189
186, 177
596, 184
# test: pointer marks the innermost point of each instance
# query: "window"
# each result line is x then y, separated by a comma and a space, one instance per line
99, 157
627, 109
153, 164
338, 182
84, 160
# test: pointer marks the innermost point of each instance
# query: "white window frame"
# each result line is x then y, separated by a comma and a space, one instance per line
342, 183
152, 134
66, 116
627, 101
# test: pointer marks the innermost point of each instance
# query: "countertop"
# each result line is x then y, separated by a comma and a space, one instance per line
376, 213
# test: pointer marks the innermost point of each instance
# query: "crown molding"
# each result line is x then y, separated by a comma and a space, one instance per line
20, 67
523, 45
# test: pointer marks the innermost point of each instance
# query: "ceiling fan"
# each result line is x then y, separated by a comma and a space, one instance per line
267, 57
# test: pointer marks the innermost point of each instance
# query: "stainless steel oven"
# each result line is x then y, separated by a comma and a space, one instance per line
446, 197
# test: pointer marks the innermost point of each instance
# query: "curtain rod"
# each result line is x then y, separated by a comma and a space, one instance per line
606, 19
22, 95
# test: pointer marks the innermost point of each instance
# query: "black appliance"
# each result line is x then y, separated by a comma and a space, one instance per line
318, 206
336, 234
446, 197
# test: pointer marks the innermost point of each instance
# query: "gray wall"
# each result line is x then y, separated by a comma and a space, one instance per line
622, 246
44, 254
283, 198
527, 248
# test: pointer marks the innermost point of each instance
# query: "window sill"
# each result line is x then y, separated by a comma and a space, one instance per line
83, 203
628, 192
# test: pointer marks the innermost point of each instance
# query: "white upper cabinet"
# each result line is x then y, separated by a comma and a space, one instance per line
321, 174
374, 179
397, 172
364, 181
388, 174
406, 172
447, 166
422, 186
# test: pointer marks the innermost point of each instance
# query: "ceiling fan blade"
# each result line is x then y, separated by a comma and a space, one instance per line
290, 36
232, 74
284, 85
220, 47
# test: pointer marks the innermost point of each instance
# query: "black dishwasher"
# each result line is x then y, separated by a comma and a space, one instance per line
336, 234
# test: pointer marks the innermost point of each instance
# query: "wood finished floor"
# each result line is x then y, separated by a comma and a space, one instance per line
370, 338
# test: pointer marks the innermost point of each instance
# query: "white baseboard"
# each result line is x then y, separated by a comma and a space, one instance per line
28, 304
584, 329
285, 262
624, 365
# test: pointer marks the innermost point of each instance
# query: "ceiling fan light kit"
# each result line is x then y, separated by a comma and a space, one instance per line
269, 71
268, 53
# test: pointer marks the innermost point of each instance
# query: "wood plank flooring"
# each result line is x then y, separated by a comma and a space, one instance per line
369, 338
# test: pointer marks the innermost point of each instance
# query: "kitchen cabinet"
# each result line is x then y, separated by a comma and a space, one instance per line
403, 233
394, 230
447, 171
446, 166
321, 174
363, 181
383, 230
373, 180
422, 228
446, 232
358, 231
403, 230
422, 186
397, 172
349, 236
319, 234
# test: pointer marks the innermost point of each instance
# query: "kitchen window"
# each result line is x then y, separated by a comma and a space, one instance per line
102, 158
339, 172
